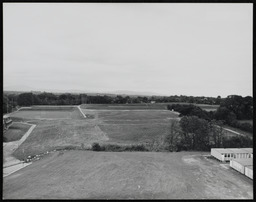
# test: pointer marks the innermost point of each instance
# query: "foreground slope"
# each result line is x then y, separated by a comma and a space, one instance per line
127, 175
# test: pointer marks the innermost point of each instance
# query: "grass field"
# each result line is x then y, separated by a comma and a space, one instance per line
49, 107
68, 129
131, 127
124, 106
127, 175
15, 132
48, 113
59, 134
155, 106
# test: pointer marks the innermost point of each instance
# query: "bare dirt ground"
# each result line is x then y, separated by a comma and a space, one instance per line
127, 175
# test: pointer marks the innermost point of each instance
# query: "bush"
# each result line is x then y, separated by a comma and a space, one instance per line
96, 147
140, 147
118, 148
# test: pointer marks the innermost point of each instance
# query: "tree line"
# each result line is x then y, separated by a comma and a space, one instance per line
231, 110
200, 134
12, 100
202, 130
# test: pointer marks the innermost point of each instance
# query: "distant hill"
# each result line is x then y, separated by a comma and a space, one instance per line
137, 93
22, 89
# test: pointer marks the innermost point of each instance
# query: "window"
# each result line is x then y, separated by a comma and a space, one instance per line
228, 155
225, 155
231, 155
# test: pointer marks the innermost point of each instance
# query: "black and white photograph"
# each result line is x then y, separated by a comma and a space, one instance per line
126, 101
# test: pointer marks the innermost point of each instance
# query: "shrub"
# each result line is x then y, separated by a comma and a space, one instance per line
118, 148
96, 147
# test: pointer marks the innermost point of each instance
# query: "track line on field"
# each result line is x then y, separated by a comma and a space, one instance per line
149, 110
79, 107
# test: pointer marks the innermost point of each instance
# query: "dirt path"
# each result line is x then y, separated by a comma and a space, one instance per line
232, 131
127, 175
11, 164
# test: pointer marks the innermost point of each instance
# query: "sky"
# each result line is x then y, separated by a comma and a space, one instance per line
193, 49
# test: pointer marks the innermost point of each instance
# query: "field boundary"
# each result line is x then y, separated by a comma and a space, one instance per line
18, 110
125, 109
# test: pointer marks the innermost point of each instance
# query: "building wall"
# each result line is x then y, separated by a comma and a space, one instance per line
237, 166
217, 155
248, 171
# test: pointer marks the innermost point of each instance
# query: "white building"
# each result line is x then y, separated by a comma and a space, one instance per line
244, 166
248, 171
231, 153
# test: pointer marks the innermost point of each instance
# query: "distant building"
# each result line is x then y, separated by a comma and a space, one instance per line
231, 153
153, 102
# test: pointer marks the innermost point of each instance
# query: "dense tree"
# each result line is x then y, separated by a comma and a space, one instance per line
225, 114
241, 107
237, 141
218, 100
47, 98
216, 133
196, 132
173, 137
6, 106
190, 110
25, 99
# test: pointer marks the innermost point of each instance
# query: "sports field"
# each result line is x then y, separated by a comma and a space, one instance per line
132, 126
127, 175
124, 106
66, 128
140, 106
48, 113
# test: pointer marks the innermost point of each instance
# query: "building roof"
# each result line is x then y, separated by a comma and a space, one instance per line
240, 150
6, 116
250, 150
233, 150
244, 161
251, 167
222, 150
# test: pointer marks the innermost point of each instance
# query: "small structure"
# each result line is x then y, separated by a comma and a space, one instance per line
244, 166
231, 153
7, 121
